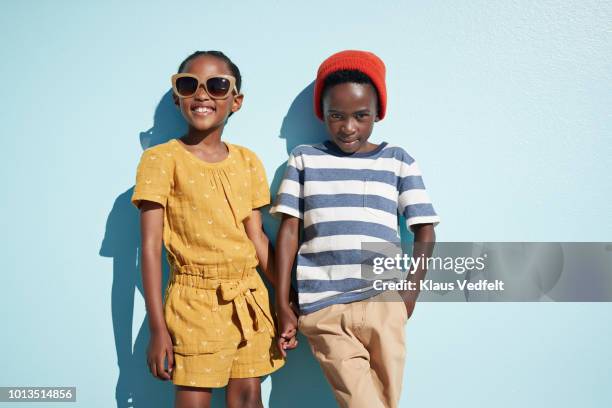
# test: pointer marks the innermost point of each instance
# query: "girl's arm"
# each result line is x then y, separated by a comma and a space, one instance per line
265, 253
254, 229
151, 226
287, 248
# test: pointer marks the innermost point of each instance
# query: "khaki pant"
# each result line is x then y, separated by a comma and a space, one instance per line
360, 347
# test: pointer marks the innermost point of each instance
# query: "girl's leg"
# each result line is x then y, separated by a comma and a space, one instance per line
192, 397
243, 393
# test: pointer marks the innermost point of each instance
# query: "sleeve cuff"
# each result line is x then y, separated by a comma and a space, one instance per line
429, 219
278, 210
137, 197
260, 202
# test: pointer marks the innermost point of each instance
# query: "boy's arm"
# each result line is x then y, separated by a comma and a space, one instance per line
151, 226
254, 230
424, 241
286, 248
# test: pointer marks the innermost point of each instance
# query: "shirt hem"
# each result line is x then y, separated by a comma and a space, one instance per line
348, 297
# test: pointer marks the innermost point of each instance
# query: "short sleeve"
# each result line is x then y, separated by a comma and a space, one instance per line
290, 196
414, 202
153, 178
260, 191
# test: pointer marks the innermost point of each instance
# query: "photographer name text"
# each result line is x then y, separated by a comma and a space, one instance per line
429, 285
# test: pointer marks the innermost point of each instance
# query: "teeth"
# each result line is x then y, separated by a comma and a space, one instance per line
202, 109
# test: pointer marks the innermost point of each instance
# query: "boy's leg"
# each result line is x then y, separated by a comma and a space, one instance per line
384, 337
192, 397
344, 359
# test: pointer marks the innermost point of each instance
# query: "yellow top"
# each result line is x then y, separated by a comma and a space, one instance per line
204, 203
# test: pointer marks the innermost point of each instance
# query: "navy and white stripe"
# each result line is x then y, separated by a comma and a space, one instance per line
345, 200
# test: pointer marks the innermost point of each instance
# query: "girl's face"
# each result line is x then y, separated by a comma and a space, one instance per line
350, 111
201, 111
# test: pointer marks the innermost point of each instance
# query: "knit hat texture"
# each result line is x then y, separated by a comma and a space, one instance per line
362, 61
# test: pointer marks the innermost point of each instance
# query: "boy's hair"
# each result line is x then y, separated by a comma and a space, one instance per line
347, 76
218, 54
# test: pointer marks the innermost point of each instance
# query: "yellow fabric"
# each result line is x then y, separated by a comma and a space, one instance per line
221, 328
205, 203
216, 306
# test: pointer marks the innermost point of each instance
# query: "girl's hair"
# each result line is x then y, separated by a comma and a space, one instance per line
221, 56
347, 75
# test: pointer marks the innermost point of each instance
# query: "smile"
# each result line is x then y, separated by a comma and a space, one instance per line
202, 110
348, 142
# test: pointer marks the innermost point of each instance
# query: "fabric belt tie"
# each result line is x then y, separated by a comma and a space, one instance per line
240, 292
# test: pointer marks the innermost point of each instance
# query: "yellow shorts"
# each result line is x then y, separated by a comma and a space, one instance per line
221, 326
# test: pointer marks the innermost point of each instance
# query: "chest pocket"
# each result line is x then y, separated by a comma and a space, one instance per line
378, 197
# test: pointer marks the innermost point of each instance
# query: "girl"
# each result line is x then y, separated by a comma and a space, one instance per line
201, 196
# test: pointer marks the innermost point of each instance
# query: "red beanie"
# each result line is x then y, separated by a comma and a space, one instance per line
363, 61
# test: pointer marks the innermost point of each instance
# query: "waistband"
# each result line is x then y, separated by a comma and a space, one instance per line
209, 276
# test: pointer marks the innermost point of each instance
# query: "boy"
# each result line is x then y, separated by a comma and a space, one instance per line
347, 191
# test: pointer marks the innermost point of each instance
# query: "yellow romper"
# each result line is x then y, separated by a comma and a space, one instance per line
216, 306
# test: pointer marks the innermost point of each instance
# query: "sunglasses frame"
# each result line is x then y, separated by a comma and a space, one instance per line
202, 82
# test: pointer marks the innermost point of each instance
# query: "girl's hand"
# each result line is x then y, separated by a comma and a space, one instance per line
160, 348
287, 329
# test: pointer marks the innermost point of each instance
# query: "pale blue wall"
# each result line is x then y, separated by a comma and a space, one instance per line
506, 105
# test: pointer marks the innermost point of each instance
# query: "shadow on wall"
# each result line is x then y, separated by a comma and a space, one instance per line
300, 126
136, 387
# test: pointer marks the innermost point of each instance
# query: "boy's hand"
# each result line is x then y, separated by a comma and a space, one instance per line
160, 348
409, 298
287, 329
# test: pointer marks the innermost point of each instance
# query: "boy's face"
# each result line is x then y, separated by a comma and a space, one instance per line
201, 111
350, 110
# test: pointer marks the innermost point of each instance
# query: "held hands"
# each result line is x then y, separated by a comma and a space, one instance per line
287, 328
160, 348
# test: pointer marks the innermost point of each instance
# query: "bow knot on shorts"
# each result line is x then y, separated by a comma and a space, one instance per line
221, 325
244, 295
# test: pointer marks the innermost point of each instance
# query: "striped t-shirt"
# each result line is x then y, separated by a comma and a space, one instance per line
344, 200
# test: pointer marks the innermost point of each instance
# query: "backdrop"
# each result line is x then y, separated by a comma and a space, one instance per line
505, 104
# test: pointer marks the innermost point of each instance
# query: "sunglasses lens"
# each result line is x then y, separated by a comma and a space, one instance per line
186, 86
218, 87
